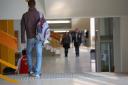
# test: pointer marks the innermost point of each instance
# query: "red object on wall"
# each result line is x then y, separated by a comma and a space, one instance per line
23, 65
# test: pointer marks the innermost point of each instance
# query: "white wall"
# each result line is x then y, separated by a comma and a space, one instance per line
124, 43
116, 44
85, 8
13, 9
121, 44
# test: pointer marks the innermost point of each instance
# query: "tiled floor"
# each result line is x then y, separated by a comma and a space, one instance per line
58, 70
88, 78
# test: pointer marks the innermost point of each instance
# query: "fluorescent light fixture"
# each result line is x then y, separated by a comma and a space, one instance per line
61, 31
85, 30
58, 21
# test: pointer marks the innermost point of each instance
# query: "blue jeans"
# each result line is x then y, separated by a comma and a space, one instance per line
31, 43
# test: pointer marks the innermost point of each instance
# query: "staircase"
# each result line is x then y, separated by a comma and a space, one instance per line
8, 40
54, 46
8, 47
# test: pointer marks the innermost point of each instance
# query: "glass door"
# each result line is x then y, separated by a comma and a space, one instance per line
104, 44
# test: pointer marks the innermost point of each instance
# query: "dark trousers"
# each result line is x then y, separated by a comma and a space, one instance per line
66, 52
77, 45
77, 50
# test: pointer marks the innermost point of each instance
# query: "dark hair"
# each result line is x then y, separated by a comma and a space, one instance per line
24, 52
31, 3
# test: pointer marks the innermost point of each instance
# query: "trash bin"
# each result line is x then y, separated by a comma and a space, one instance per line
93, 54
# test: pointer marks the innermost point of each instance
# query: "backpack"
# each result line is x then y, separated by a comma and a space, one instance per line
42, 30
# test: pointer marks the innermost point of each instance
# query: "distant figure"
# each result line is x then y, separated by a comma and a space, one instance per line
66, 43
87, 34
77, 38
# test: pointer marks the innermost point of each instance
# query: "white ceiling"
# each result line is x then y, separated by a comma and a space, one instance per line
85, 8
13, 9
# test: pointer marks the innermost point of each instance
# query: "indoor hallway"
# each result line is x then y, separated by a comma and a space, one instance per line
58, 70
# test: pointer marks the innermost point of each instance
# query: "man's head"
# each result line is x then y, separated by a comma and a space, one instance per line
77, 30
31, 3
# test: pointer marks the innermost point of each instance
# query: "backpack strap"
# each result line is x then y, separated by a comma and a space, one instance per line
45, 32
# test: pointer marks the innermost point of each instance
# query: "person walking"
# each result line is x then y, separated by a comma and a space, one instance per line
29, 23
77, 38
66, 43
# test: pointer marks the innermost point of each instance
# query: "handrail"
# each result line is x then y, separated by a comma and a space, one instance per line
5, 77
8, 40
55, 36
7, 64
54, 43
8, 79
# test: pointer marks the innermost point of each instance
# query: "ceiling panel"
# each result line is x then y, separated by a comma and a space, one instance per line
85, 8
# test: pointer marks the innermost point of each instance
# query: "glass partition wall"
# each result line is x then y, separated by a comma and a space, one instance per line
104, 44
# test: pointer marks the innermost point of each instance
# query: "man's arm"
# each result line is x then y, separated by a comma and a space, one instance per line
23, 30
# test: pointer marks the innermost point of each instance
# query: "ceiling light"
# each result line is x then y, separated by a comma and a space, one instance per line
61, 31
58, 21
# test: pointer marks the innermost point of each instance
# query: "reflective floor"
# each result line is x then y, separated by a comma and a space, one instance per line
88, 78
72, 64
58, 70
